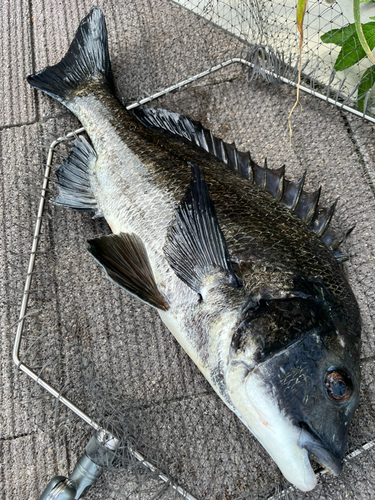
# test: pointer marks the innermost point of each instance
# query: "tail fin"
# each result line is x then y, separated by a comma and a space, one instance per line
86, 60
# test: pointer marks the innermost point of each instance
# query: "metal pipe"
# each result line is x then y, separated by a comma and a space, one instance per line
30, 269
25, 297
247, 63
21, 321
162, 476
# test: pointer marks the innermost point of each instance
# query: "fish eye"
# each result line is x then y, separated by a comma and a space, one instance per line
338, 385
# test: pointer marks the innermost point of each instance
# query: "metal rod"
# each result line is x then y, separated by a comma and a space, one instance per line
162, 476
247, 63
30, 269
59, 397
26, 295
187, 81
81, 414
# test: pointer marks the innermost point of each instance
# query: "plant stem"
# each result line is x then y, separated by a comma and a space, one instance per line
358, 27
301, 9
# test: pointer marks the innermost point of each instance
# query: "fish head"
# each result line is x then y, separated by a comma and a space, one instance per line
298, 395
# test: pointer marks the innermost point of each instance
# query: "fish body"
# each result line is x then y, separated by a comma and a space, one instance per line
246, 275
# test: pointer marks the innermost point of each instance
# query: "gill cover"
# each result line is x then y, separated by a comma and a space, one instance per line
299, 394
302, 416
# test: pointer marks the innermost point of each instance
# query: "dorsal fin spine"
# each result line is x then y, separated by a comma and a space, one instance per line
265, 174
290, 194
231, 156
280, 191
300, 184
314, 205
326, 216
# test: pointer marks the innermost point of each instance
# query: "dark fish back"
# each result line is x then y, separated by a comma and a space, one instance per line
269, 244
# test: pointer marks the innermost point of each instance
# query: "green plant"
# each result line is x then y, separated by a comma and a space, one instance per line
356, 41
301, 9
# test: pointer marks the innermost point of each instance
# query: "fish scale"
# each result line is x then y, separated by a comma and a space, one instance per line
239, 262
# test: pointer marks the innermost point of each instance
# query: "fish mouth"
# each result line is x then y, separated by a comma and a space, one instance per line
316, 447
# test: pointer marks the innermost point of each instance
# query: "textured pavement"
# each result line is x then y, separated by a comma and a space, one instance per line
102, 349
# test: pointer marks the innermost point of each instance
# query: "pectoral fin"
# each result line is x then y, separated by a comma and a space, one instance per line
124, 259
196, 247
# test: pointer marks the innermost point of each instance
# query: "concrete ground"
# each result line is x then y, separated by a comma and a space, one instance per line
99, 347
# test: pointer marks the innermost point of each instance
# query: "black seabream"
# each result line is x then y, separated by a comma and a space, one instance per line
240, 263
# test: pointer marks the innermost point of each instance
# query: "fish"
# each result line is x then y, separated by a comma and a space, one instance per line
241, 264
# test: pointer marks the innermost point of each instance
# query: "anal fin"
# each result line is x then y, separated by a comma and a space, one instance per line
73, 178
124, 258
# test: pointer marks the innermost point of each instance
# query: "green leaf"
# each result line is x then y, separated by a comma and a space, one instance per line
373, 17
339, 36
352, 50
350, 53
366, 83
301, 9
369, 32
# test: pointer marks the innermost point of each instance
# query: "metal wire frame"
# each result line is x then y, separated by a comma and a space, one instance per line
273, 75
114, 441
23, 314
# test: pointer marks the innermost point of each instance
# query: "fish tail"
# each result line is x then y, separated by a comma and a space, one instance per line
86, 61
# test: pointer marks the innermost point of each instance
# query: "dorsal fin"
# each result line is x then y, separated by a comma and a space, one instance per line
290, 194
320, 223
194, 132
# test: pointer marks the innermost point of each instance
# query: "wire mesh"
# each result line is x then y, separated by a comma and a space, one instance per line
111, 355
270, 32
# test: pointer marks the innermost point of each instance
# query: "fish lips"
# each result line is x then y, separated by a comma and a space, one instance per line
321, 452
